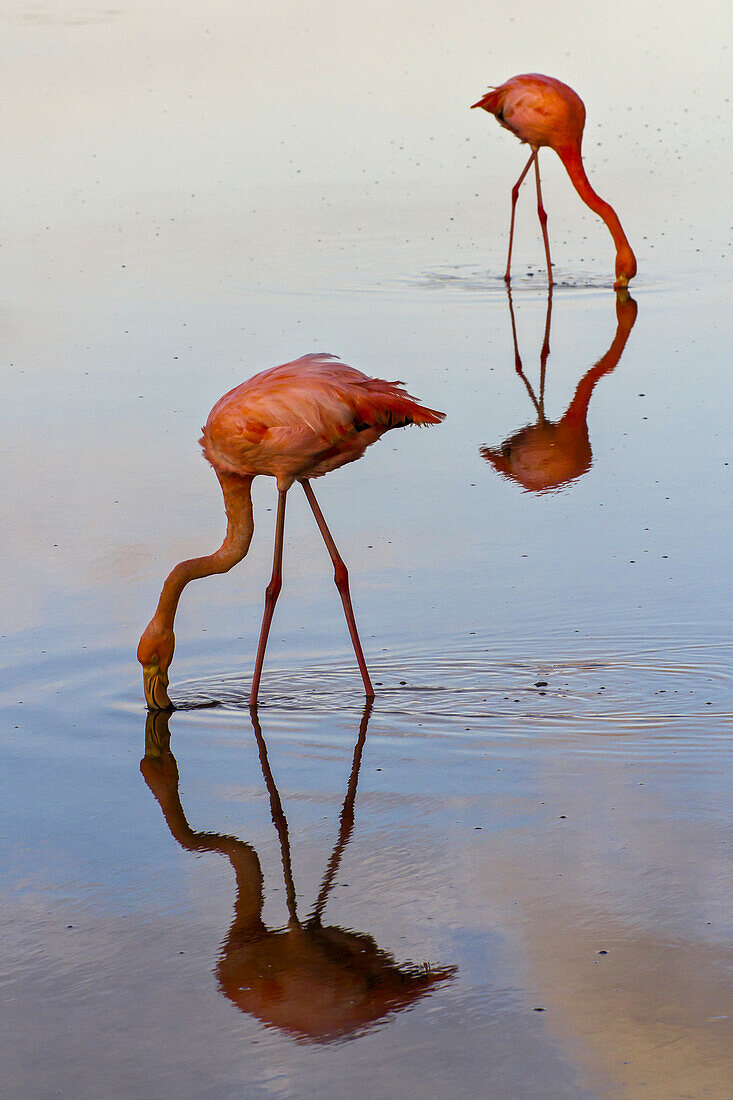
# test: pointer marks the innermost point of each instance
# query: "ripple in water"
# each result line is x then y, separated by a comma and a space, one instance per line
691, 685
465, 277
471, 279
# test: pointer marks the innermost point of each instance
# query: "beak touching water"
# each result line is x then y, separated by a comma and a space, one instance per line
155, 684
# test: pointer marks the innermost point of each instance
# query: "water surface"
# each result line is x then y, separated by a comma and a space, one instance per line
512, 877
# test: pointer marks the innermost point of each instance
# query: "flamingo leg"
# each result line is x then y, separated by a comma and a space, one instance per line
544, 353
341, 578
542, 215
278, 819
346, 822
517, 358
271, 594
515, 196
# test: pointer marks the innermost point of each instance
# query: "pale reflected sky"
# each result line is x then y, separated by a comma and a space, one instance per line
268, 131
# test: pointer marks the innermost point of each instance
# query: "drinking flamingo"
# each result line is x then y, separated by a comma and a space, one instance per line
543, 111
293, 422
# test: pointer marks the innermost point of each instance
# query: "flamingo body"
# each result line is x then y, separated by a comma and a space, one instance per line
294, 422
304, 419
542, 111
539, 110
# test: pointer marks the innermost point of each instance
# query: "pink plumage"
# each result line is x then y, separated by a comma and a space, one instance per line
542, 111
305, 418
539, 110
293, 422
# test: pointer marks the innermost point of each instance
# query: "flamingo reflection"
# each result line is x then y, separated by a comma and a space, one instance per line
550, 454
315, 982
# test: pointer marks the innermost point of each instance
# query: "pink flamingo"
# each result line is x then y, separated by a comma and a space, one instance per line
543, 111
292, 422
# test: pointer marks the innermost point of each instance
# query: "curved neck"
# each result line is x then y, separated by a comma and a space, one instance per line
240, 527
571, 158
625, 318
242, 856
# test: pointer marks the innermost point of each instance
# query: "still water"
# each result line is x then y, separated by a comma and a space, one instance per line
510, 877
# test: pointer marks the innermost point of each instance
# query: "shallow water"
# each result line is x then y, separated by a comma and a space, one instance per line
510, 878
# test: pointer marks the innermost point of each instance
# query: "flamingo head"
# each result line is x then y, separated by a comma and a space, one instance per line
155, 653
625, 267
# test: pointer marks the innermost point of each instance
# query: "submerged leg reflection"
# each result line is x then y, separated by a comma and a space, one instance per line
316, 982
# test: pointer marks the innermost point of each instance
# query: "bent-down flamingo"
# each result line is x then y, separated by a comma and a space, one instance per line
541, 110
293, 422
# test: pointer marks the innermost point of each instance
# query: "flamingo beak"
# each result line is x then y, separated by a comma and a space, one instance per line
155, 685
157, 735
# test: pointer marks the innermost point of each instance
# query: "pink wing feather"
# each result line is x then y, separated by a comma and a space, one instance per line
304, 418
